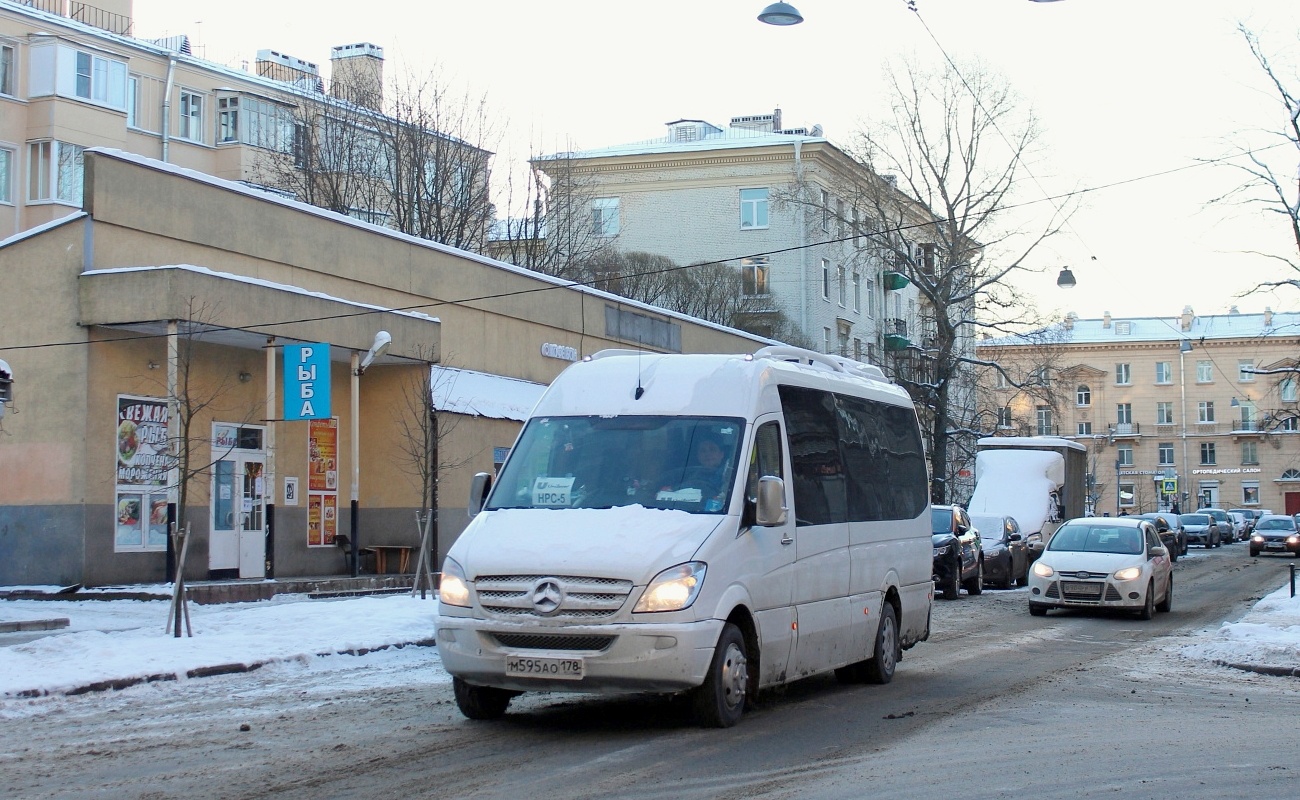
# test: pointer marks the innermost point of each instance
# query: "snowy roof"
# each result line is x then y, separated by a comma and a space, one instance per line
481, 394
731, 138
1118, 330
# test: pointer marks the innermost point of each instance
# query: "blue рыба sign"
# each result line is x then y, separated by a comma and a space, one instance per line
307, 381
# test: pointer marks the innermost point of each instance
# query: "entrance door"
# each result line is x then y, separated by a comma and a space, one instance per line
1292, 500
238, 540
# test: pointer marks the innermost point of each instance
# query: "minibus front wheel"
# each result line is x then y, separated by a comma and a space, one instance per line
481, 702
720, 701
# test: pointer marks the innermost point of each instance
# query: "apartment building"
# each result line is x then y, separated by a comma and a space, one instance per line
1198, 409
73, 76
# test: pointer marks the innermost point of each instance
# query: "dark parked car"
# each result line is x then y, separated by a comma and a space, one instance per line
1227, 525
1006, 551
1201, 529
1170, 528
958, 555
1276, 533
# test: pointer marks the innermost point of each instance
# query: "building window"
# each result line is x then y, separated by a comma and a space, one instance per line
843, 287
1245, 373
1123, 374
1044, 415
826, 340
826, 280
1123, 328
227, 119
871, 298
132, 102
99, 79
1124, 413
6, 69
1041, 376
1207, 453
1004, 418
857, 349
1249, 493
1000, 380
1287, 390
1085, 429
753, 208
1124, 453
1247, 416
191, 109
1083, 395
1165, 413
1205, 411
857, 291
1165, 454
1288, 424
826, 211
1249, 452
857, 226
6, 175
604, 216
754, 276
1204, 371
1163, 372
839, 220
1126, 494
55, 172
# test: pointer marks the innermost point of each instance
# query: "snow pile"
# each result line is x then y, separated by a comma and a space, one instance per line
120, 640
1017, 484
1268, 634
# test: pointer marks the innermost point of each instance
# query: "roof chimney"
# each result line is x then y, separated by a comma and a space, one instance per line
357, 74
1068, 322
282, 67
1268, 317
1185, 324
1105, 320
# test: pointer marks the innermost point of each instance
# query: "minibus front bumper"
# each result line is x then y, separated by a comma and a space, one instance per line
629, 657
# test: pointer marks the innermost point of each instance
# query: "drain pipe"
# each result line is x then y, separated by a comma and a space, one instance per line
803, 239
167, 106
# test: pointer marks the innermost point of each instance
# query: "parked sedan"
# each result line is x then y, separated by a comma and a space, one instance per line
1276, 533
958, 555
1201, 529
1249, 516
1227, 525
1103, 562
1006, 551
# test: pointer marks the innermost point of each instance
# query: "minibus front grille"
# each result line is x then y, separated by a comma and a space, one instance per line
551, 596
527, 641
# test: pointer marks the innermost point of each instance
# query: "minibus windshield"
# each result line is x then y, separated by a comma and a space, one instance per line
684, 463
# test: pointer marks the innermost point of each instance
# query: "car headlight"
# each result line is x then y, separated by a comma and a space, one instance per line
1257, 539
673, 589
1292, 539
1128, 574
942, 551
1042, 570
452, 588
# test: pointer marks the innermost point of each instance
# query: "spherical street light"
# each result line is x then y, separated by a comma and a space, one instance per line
780, 14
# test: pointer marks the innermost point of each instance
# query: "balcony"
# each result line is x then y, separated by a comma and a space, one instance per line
895, 331
1126, 430
894, 280
1246, 428
82, 12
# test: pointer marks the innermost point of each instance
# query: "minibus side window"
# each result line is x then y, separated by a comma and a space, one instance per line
815, 463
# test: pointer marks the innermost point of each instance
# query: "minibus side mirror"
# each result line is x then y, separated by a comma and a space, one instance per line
479, 487
770, 509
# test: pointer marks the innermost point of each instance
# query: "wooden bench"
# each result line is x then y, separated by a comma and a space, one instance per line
381, 553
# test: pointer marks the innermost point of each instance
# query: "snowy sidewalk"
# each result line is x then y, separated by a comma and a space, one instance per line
111, 644
115, 643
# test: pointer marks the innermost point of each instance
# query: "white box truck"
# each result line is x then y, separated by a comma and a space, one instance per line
711, 524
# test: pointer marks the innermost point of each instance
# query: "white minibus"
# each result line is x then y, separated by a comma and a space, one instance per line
711, 524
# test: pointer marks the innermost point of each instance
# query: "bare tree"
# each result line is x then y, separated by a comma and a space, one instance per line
413, 155
1271, 172
945, 164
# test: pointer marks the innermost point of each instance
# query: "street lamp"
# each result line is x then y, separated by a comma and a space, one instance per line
380, 346
780, 14
1066, 279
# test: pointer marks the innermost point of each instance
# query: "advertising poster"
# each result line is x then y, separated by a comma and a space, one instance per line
322, 455
331, 517
314, 529
142, 470
322, 519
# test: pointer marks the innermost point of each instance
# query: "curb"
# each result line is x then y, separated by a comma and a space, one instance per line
206, 672
1261, 669
34, 625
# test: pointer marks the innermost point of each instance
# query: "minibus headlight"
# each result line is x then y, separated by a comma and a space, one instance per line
673, 589
452, 588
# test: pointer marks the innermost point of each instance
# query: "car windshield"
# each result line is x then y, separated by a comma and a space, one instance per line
1278, 524
941, 520
1195, 519
1097, 538
685, 463
990, 528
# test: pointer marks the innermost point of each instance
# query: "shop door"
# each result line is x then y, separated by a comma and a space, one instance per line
238, 540
1292, 500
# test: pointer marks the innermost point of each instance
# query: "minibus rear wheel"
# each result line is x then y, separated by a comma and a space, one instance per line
720, 701
481, 702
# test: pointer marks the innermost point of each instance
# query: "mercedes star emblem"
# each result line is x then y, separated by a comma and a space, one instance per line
547, 597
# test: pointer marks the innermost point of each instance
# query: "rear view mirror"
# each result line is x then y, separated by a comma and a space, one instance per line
770, 509
479, 487
1015, 537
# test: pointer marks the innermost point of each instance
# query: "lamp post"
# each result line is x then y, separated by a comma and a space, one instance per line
359, 365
